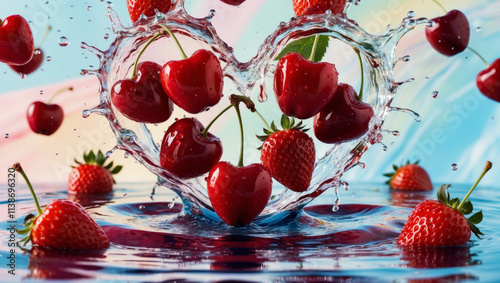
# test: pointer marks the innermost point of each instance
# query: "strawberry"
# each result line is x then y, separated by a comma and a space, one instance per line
309, 7
93, 176
442, 222
147, 7
411, 177
62, 224
289, 154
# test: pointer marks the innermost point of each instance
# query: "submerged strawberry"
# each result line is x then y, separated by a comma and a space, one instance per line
442, 222
62, 224
93, 176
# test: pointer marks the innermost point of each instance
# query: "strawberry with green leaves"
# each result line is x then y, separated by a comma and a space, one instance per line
62, 224
442, 222
289, 154
309, 7
409, 177
92, 176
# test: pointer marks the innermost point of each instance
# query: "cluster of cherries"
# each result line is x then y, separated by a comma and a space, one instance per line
18, 51
449, 35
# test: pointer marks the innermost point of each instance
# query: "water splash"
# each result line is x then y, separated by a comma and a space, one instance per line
377, 51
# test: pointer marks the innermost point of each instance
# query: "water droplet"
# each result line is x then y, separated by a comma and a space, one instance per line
126, 155
478, 29
23, 75
435, 94
428, 76
142, 206
37, 52
335, 206
454, 167
48, 58
63, 41
125, 195
41, 92
89, 8
396, 133
171, 205
85, 113
152, 197
106, 35
7, 135
411, 14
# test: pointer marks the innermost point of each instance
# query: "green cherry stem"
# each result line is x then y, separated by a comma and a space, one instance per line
441, 6
487, 167
237, 107
205, 131
360, 95
44, 37
134, 71
58, 92
315, 46
263, 120
479, 55
19, 169
184, 56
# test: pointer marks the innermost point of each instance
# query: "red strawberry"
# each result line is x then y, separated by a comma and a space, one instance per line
63, 224
442, 222
289, 154
309, 7
412, 177
93, 176
147, 7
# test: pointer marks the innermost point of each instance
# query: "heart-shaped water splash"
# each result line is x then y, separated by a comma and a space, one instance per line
249, 79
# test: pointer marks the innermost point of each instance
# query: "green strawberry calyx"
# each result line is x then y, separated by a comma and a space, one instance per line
390, 175
465, 206
99, 159
30, 219
287, 123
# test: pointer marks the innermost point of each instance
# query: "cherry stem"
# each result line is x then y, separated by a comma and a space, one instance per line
360, 95
19, 169
487, 167
315, 46
184, 56
263, 120
479, 55
134, 71
439, 4
205, 131
44, 37
237, 107
58, 92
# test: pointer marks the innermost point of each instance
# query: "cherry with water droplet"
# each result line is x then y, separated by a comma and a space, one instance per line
449, 35
45, 118
16, 41
488, 81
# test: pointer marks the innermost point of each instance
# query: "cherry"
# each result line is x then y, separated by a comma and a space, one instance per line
239, 194
36, 61
142, 99
45, 118
195, 83
233, 2
32, 65
344, 118
488, 81
187, 151
449, 35
16, 40
302, 88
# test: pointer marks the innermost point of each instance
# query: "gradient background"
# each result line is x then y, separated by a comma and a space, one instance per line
459, 126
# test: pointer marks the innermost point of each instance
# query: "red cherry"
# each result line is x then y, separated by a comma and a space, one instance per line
239, 194
302, 87
488, 81
142, 99
450, 33
16, 41
233, 2
195, 83
44, 118
345, 118
32, 65
186, 152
